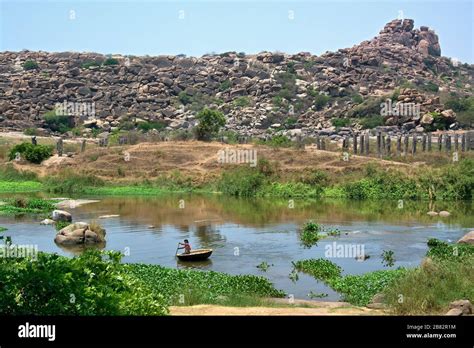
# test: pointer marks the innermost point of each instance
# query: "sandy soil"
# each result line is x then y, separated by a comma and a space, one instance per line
193, 160
311, 308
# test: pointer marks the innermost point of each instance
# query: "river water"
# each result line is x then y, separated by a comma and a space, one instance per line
246, 232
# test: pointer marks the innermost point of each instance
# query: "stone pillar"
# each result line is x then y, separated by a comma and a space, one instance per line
362, 144
354, 141
399, 145
440, 142
83, 145
463, 142
59, 147
423, 143
413, 147
323, 143
405, 145
389, 145
456, 142
318, 142
429, 141
34, 141
367, 143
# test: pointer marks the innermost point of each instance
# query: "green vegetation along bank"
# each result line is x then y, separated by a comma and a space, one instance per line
447, 183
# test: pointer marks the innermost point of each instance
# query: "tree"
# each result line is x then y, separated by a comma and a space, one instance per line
210, 121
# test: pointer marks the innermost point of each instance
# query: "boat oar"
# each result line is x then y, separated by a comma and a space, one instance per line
176, 253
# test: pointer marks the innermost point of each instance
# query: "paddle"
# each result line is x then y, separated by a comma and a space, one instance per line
176, 253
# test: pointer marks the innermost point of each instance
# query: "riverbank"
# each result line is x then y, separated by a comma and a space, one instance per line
363, 178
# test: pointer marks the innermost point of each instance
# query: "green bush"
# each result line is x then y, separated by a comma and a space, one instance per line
320, 101
242, 102
57, 123
340, 122
225, 85
31, 131
357, 99
241, 182
68, 182
94, 283
90, 63
210, 121
111, 61
30, 65
372, 122
184, 98
146, 126
34, 154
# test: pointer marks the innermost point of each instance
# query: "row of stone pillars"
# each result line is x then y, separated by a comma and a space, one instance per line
361, 143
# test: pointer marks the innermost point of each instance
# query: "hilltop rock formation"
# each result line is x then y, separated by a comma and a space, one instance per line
259, 94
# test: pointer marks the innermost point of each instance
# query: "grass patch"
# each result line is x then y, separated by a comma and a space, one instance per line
444, 276
14, 206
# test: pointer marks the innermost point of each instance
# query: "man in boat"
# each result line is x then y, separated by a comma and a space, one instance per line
186, 246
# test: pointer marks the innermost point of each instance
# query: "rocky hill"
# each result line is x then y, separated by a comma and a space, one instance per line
260, 94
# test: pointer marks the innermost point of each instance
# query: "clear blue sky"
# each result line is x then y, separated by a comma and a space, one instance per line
155, 27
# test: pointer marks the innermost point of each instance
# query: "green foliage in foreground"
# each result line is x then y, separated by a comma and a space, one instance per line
34, 154
442, 251
445, 276
360, 289
91, 284
26, 205
355, 289
199, 286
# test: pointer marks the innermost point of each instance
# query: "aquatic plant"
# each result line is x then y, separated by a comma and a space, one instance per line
309, 235
388, 258
319, 268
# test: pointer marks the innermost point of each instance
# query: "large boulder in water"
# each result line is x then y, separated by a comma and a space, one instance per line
467, 238
61, 215
80, 233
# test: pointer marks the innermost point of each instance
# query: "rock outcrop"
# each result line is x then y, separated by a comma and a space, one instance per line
80, 233
257, 92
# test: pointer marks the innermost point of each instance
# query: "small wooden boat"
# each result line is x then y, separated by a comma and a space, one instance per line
195, 255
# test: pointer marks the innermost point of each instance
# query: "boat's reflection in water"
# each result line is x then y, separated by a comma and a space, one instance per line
205, 264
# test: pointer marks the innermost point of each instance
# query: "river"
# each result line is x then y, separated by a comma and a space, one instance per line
246, 232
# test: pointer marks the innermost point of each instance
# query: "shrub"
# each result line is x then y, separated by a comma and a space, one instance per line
34, 154
320, 101
225, 85
146, 126
242, 101
90, 63
210, 121
241, 182
357, 99
31, 131
94, 283
30, 65
57, 123
184, 98
111, 61
68, 182
372, 122
340, 122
